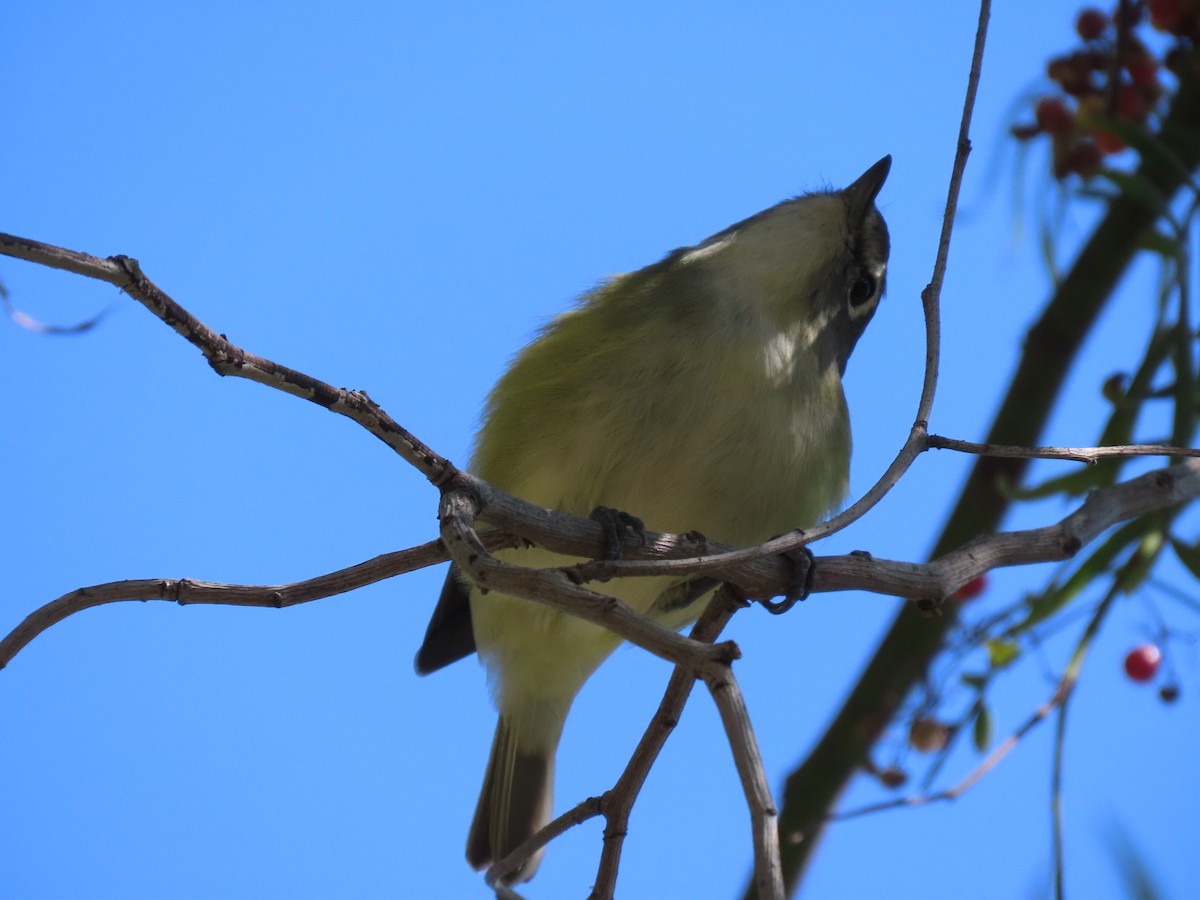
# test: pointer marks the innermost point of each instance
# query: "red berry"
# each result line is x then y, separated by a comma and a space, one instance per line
1165, 15
1107, 142
1052, 115
1130, 104
1082, 159
970, 590
1142, 662
1091, 24
1143, 71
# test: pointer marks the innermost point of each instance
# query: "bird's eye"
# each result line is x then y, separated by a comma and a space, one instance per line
862, 290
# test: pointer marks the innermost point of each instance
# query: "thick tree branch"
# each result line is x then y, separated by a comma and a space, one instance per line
1049, 352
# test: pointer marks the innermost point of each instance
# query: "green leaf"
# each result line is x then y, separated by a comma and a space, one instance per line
1188, 554
1135, 569
1140, 188
974, 680
981, 731
1058, 596
1156, 242
1075, 484
1120, 426
1152, 147
1183, 425
1001, 653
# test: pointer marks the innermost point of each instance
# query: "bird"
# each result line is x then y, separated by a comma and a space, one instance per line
701, 393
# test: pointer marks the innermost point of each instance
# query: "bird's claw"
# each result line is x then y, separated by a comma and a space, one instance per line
616, 525
805, 567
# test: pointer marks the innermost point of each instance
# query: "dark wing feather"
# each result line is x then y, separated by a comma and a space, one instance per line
449, 636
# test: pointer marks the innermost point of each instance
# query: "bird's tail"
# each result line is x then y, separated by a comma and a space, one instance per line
516, 798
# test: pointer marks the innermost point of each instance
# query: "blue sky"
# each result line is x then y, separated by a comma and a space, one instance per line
393, 198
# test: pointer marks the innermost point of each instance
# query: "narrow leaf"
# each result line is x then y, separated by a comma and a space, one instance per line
981, 732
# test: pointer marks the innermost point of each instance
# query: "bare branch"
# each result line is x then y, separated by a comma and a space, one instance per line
580, 813
186, 591
29, 323
1103, 508
616, 803
766, 577
1089, 455
552, 587
228, 359
757, 571
768, 870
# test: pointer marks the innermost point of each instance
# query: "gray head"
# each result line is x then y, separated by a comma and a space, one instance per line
816, 264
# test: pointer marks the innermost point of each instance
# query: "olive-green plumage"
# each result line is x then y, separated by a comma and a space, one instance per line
701, 393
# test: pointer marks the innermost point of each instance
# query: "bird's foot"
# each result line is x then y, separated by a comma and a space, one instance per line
805, 568
616, 526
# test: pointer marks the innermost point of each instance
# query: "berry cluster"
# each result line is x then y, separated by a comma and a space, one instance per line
1113, 78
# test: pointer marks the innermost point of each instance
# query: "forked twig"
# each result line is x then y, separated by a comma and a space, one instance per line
1061, 695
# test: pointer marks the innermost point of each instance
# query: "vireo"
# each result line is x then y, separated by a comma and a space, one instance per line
701, 393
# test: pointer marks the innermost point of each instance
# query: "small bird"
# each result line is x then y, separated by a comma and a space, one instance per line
700, 393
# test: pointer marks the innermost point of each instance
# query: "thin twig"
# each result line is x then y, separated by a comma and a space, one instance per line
617, 804
187, 591
1062, 692
577, 815
552, 588
1089, 455
228, 359
1056, 825
29, 323
764, 816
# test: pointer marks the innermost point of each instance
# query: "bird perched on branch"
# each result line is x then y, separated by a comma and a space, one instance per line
701, 393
